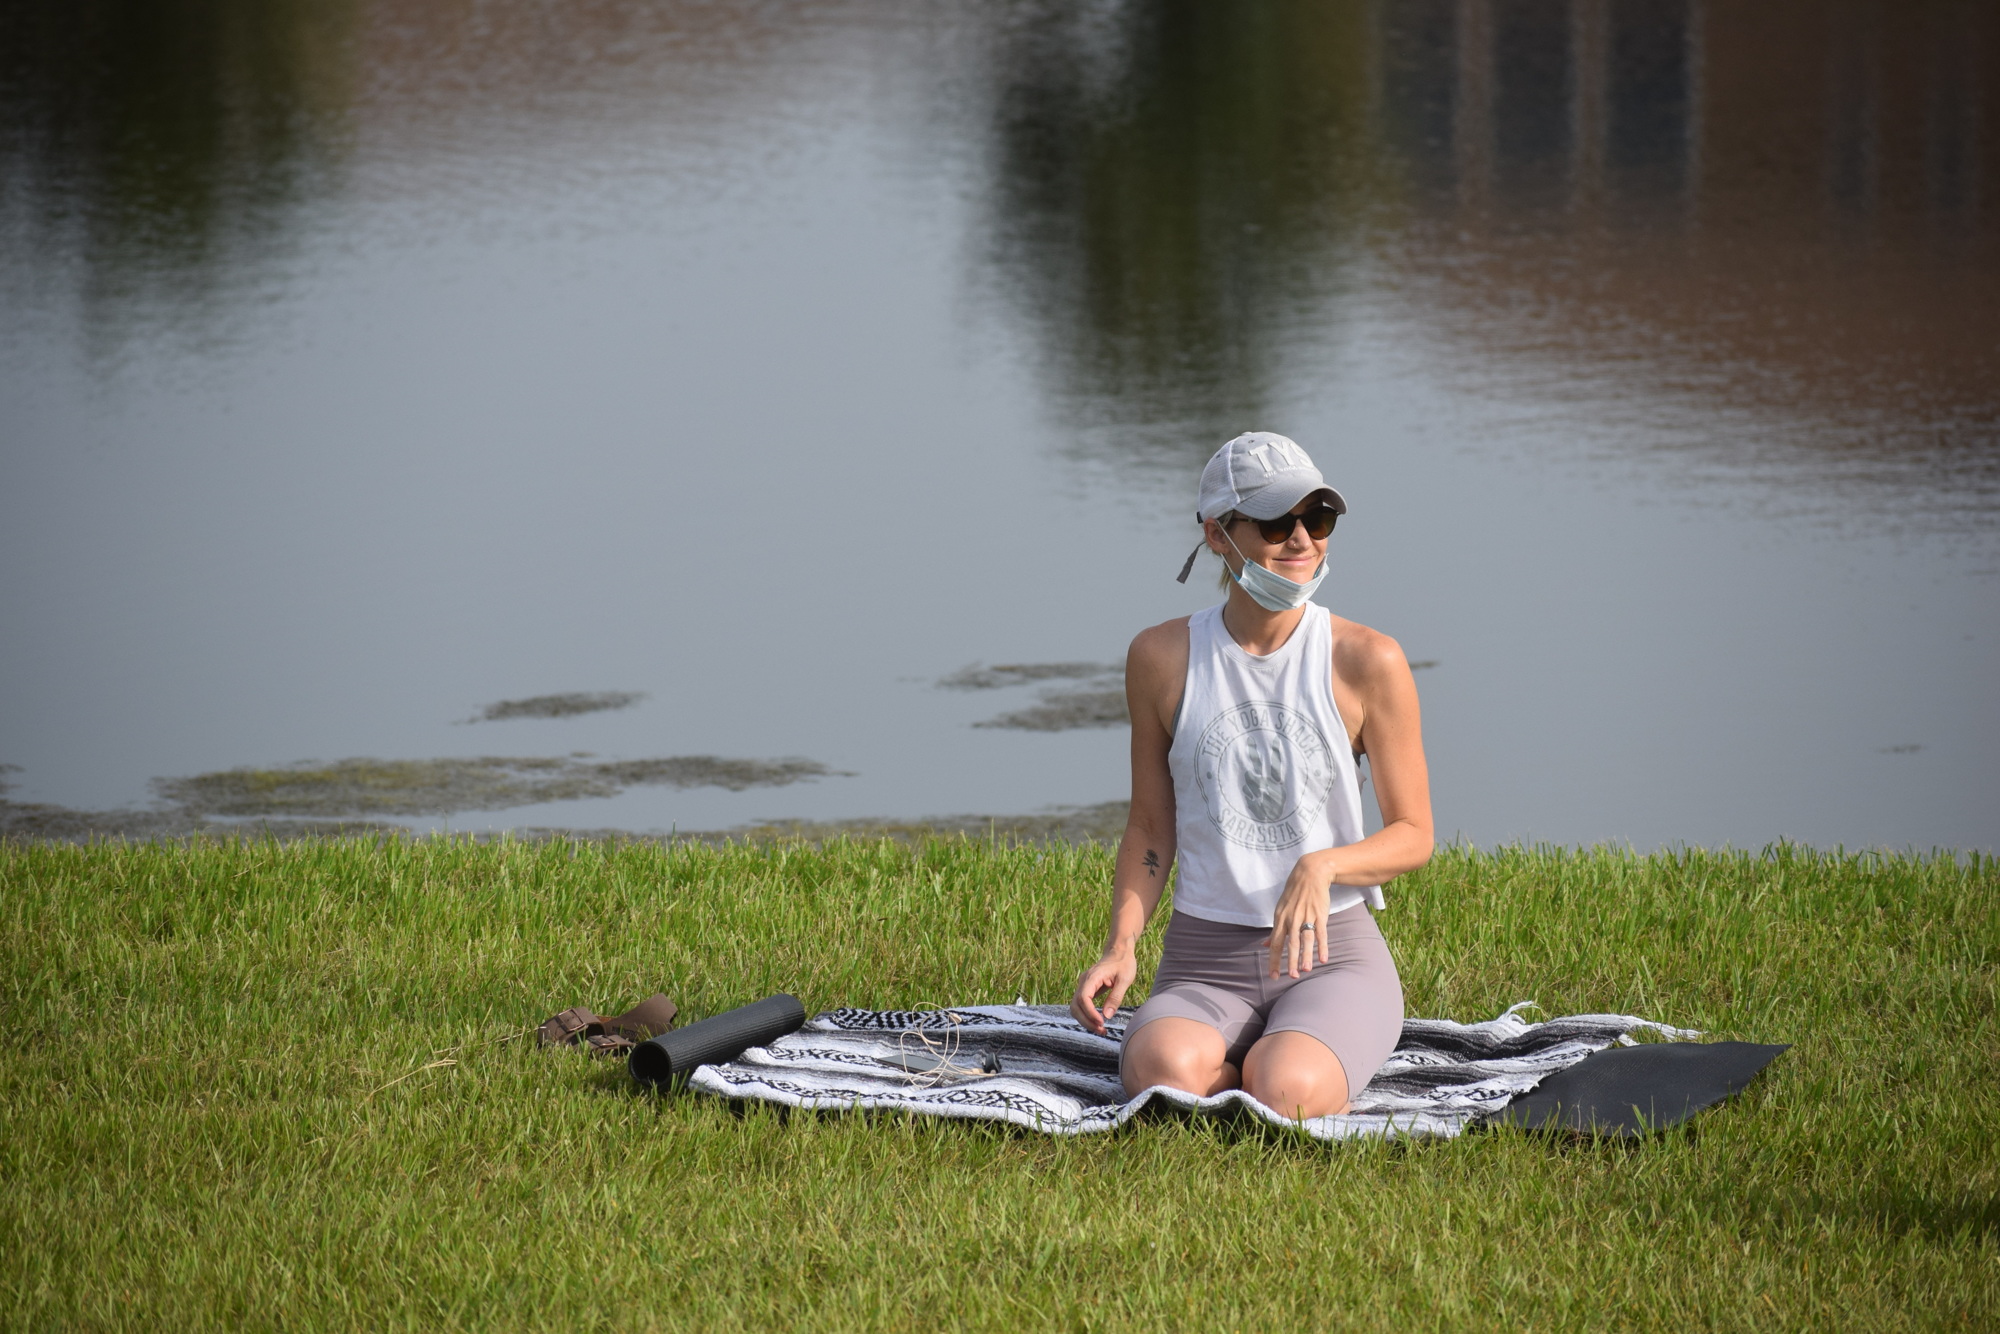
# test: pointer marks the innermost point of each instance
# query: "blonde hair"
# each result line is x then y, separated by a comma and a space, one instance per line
1225, 579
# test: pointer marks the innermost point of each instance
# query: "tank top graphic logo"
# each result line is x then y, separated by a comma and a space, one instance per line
1265, 771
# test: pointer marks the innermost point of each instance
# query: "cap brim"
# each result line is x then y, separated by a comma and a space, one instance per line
1287, 489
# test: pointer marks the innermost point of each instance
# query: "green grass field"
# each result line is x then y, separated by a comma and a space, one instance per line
270, 1086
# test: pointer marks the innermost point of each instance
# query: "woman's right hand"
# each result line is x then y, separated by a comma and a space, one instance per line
1113, 973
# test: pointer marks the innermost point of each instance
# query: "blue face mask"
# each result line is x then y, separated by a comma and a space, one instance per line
1271, 590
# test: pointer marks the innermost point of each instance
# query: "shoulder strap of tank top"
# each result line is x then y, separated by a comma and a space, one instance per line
1321, 667
1202, 627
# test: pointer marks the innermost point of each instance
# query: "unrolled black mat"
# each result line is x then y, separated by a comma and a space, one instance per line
1627, 1092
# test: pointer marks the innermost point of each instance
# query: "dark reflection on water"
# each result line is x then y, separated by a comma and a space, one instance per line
163, 147
159, 161
1786, 205
1175, 188
1762, 206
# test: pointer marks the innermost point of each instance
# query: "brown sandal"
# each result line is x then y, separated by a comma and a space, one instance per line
609, 1037
648, 1019
565, 1029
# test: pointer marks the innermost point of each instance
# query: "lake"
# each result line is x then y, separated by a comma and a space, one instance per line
671, 415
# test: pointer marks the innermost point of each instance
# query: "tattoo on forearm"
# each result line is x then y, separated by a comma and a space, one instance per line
1152, 862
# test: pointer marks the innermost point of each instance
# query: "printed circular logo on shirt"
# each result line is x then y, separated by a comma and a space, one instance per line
1265, 771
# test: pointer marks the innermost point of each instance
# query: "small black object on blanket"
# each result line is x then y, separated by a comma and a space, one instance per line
1035, 1066
1627, 1092
721, 1037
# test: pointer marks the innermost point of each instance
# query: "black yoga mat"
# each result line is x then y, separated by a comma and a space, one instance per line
1626, 1092
722, 1037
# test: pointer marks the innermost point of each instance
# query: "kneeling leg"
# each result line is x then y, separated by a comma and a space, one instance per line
1295, 1074
1180, 1053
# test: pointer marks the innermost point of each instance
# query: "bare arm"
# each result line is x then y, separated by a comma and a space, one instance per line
1392, 735
1373, 673
1154, 676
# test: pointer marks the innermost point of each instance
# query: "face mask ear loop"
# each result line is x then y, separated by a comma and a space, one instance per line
1190, 562
1235, 574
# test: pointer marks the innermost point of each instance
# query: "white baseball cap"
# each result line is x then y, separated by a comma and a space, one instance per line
1261, 474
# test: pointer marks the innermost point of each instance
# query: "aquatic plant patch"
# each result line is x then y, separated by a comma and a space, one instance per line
248, 1084
361, 795
363, 787
1007, 674
559, 706
1065, 710
1099, 702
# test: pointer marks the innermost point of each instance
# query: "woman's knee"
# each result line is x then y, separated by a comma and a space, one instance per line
1295, 1074
1180, 1053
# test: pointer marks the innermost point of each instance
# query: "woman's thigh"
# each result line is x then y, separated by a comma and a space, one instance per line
1353, 1006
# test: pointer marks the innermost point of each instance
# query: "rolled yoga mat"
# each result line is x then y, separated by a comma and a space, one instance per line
720, 1038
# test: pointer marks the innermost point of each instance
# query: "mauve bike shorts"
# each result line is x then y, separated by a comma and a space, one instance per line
1219, 974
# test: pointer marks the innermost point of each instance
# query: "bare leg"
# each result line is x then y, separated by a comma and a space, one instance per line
1294, 1074
1180, 1053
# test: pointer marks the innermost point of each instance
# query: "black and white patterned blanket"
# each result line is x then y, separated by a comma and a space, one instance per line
1056, 1076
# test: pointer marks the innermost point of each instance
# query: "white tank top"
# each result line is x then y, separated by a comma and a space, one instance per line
1262, 772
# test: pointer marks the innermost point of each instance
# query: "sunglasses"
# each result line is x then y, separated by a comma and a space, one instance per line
1319, 522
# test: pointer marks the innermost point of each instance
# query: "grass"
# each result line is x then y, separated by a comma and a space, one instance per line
266, 1086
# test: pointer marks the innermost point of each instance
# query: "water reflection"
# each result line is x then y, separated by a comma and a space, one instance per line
172, 164
1756, 207
1779, 206
1174, 187
160, 152
1783, 205
1538, 104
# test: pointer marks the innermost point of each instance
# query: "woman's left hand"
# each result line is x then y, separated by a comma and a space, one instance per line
1298, 927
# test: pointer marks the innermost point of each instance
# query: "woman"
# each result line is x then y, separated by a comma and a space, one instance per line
1247, 723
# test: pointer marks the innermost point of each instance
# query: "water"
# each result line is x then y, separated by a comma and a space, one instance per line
366, 365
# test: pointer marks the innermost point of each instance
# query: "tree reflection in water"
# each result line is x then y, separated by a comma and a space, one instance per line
1783, 209
164, 147
1175, 187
